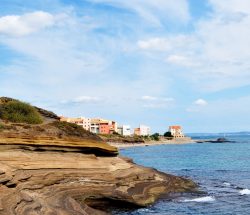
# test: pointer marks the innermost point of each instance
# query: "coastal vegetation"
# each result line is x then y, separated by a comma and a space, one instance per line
168, 134
25, 120
1, 126
155, 136
19, 112
118, 138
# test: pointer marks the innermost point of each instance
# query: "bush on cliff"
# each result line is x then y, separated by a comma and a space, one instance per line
19, 112
1, 126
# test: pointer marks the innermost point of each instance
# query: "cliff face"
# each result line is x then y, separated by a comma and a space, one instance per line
60, 169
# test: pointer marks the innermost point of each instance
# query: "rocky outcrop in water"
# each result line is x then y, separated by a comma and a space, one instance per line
58, 168
54, 182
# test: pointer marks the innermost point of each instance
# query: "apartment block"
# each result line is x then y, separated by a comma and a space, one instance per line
143, 130
103, 126
124, 130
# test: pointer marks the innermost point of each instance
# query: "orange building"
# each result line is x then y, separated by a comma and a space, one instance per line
137, 131
107, 127
102, 126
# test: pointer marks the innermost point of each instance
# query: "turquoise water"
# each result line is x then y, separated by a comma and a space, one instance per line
222, 171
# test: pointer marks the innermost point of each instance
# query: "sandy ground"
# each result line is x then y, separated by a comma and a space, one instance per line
151, 143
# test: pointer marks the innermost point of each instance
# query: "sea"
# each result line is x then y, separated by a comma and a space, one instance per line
222, 171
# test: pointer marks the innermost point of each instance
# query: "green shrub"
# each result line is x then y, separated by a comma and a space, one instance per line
19, 112
155, 136
168, 134
1, 126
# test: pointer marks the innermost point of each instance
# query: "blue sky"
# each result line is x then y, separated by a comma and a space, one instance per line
153, 62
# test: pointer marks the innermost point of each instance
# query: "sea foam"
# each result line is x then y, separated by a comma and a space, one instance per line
245, 192
201, 199
226, 184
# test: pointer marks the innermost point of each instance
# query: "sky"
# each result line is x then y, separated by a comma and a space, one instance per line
151, 62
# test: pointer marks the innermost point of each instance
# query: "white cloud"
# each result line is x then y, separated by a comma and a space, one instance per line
155, 11
154, 44
181, 60
201, 102
84, 100
218, 115
231, 6
167, 44
214, 56
197, 106
148, 98
87, 99
28, 23
55, 57
156, 102
153, 98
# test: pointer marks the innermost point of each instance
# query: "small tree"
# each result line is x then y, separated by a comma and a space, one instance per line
168, 134
155, 136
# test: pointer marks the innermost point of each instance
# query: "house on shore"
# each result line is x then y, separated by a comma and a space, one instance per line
96, 125
81, 121
124, 130
176, 131
143, 130
103, 126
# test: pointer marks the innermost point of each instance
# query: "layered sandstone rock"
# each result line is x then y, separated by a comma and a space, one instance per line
53, 182
58, 168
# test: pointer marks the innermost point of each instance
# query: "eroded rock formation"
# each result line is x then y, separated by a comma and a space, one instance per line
60, 169
52, 182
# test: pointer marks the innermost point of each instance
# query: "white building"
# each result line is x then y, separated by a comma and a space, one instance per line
95, 126
176, 131
85, 123
143, 130
124, 130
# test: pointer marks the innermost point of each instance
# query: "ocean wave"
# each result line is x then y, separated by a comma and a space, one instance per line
226, 184
201, 199
245, 192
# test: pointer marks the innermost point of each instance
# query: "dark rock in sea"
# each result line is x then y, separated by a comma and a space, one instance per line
221, 140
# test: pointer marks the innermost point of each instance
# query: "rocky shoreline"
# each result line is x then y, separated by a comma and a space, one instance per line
54, 182
61, 169
152, 143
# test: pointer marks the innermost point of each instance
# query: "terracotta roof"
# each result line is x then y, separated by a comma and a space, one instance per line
175, 127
